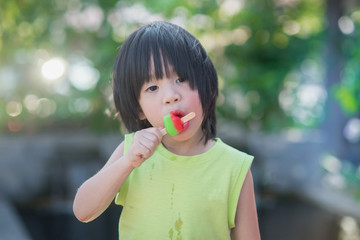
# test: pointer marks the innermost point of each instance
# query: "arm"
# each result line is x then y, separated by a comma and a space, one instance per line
246, 221
95, 195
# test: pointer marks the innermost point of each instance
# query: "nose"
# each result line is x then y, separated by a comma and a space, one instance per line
171, 96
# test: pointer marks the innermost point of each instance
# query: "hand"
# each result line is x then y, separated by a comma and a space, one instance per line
143, 146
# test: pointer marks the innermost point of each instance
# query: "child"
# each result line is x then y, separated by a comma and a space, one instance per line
188, 186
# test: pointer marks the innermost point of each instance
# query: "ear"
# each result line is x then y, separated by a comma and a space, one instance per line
141, 115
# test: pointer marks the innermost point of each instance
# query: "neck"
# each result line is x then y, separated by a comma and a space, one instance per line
190, 147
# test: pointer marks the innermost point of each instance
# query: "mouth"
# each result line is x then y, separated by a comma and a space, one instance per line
181, 114
178, 113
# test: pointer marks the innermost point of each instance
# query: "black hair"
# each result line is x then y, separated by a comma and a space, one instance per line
169, 47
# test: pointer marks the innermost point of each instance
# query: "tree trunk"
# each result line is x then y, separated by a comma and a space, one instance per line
335, 118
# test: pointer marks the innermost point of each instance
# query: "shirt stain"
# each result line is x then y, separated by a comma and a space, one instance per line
172, 196
171, 233
152, 169
178, 225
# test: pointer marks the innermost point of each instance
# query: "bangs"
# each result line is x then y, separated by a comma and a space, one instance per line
158, 50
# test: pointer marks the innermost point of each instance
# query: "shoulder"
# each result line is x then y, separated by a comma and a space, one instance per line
231, 154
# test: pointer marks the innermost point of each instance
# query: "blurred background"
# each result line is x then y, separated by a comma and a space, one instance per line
289, 95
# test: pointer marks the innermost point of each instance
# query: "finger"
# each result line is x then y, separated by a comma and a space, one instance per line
145, 143
151, 142
145, 150
154, 136
158, 133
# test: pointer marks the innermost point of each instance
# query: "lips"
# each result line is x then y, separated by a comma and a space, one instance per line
181, 114
178, 113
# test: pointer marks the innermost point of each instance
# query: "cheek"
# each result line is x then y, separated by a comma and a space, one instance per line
152, 114
194, 100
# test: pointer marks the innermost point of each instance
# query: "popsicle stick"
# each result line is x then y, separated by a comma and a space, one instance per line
188, 117
163, 131
184, 119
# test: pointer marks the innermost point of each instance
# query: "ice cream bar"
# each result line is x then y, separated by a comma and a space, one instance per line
174, 124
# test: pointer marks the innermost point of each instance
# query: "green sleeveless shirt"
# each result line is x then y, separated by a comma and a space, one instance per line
183, 197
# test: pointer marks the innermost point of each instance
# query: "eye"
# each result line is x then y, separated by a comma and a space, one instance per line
180, 80
152, 88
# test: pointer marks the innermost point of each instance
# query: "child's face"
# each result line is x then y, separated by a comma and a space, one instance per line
159, 97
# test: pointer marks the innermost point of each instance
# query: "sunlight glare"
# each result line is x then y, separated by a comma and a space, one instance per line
53, 69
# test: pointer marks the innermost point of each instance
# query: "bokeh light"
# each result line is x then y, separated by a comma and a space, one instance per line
14, 108
89, 18
83, 76
80, 105
31, 103
352, 130
8, 80
46, 107
14, 125
53, 68
346, 25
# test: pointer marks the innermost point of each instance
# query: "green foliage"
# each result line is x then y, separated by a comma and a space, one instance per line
265, 59
347, 92
348, 98
255, 45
